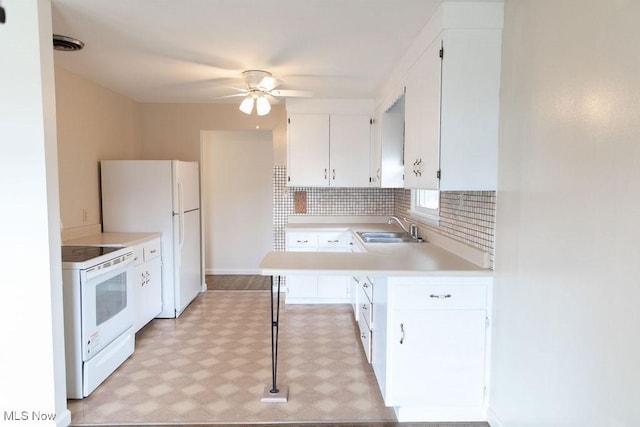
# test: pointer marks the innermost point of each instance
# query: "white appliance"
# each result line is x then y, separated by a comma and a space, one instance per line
98, 314
164, 196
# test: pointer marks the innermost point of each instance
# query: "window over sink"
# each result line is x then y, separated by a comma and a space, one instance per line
425, 206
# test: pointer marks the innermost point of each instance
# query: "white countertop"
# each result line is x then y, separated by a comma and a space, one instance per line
112, 239
382, 259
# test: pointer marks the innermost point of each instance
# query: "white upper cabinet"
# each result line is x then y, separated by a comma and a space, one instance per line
349, 140
308, 150
470, 109
452, 80
422, 121
328, 143
387, 166
452, 113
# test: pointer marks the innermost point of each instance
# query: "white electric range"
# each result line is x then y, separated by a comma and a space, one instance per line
98, 314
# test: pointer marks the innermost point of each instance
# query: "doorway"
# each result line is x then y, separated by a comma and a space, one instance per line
237, 191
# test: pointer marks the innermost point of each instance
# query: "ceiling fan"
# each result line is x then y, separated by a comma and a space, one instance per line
261, 91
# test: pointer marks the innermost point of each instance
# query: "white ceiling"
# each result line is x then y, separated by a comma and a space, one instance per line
196, 50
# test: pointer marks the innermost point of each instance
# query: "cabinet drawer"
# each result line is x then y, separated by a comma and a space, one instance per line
366, 312
331, 240
365, 307
365, 337
440, 296
302, 241
367, 288
151, 250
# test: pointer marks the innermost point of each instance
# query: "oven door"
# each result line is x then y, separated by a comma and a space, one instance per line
106, 307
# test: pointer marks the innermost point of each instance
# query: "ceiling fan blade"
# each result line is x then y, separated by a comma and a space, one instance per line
272, 99
268, 83
231, 96
292, 93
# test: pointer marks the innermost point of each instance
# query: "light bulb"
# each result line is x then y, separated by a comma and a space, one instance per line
247, 105
262, 106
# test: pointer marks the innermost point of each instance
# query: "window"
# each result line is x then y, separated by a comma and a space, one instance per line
425, 204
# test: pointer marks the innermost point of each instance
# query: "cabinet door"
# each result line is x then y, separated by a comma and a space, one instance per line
470, 109
422, 121
302, 287
308, 150
150, 302
437, 358
350, 138
375, 151
391, 163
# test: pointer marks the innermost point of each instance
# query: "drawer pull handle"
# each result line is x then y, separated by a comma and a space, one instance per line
441, 296
333, 241
302, 241
153, 251
402, 332
364, 307
365, 285
363, 336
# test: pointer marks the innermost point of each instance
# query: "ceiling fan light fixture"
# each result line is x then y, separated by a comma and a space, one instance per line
262, 106
246, 106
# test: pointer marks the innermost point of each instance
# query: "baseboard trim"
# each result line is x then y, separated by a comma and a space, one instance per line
63, 419
493, 419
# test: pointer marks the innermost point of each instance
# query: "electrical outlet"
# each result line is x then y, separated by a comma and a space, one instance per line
85, 215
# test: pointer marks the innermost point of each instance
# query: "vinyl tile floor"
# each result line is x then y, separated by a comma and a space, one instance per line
212, 364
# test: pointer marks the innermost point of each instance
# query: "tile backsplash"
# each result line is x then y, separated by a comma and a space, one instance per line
465, 216
468, 217
324, 202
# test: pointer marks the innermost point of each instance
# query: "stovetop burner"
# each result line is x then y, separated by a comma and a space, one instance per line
84, 253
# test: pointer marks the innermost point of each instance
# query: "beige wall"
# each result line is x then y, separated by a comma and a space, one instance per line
94, 123
566, 340
172, 131
237, 200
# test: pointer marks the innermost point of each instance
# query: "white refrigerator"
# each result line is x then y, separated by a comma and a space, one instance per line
164, 196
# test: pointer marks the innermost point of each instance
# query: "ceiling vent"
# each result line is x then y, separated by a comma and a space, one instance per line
67, 44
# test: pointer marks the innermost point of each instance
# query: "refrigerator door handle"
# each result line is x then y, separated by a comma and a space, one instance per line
181, 213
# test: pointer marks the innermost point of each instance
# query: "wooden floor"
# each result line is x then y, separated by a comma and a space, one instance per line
237, 283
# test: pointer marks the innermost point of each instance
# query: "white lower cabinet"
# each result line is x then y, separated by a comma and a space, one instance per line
318, 289
430, 353
365, 315
147, 292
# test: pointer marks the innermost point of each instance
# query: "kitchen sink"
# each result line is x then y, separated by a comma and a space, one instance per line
384, 237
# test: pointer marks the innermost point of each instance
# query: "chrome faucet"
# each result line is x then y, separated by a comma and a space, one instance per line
393, 218
413, 229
